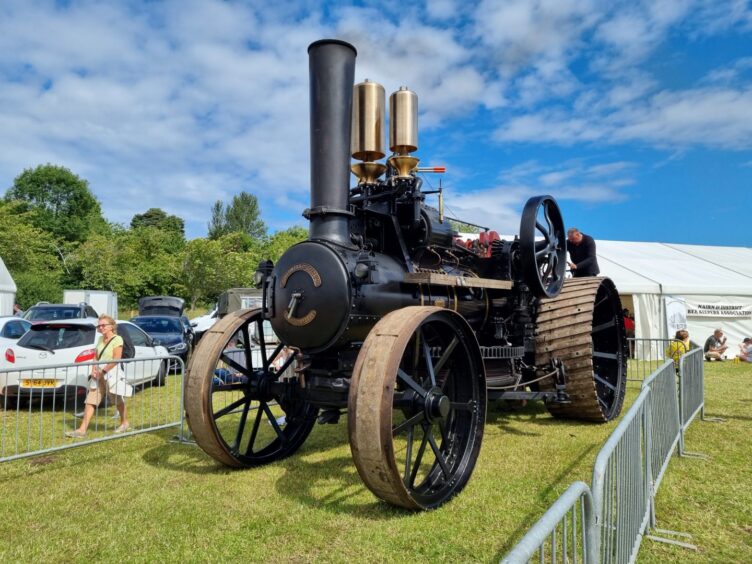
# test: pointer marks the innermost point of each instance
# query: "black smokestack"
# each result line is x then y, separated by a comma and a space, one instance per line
332, 74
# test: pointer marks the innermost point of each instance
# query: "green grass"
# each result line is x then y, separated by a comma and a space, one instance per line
712, 499
145, 498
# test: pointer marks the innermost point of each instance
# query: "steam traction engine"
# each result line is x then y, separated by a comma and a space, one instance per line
384, 314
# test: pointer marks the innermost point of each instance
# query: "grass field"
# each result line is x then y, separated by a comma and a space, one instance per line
146, 498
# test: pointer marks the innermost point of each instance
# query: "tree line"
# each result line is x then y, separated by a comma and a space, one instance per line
53, 236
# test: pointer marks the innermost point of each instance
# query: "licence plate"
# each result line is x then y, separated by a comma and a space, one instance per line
39, 383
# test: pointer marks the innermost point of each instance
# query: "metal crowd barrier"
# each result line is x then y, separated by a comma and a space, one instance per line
629, 468
567, 529
621, 485
692, 385
645, 356
38, 405
664, 419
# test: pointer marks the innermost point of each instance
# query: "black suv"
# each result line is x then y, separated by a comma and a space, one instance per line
45, 311
161, 317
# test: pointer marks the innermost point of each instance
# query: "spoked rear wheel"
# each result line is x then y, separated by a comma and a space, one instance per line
240, 400
417, 407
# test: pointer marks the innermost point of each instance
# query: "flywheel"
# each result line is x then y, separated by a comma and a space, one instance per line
584, 328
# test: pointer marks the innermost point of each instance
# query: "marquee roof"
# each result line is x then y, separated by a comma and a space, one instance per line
661, 268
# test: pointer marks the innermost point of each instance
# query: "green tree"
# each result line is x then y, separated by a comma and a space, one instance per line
242, 215
61, 202
132, 262
217, 223
156, 217
278, 243
211, 266
31, 256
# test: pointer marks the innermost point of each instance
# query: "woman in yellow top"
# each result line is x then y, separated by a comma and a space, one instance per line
109, 347
679, 346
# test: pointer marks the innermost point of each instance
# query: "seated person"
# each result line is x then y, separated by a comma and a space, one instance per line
745, 350
715, 346
679, 346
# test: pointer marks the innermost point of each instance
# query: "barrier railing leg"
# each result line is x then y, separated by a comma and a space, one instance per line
181, 436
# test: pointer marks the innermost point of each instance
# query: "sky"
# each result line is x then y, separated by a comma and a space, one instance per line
636, 116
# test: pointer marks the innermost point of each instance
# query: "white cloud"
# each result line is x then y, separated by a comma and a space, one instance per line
181, 103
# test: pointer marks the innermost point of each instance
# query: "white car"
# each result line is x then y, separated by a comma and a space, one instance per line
203, 323
11, 329
70, 342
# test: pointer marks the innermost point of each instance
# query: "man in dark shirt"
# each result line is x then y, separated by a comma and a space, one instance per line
581, 249
715, 346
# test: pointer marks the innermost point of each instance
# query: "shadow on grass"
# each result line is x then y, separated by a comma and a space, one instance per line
507, 414
334, 485
316, 475
543, 496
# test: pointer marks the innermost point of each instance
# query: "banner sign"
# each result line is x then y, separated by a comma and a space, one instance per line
720, 310
676, 314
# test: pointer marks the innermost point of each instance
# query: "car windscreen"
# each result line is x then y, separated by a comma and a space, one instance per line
52, 313
57, 336
159, 324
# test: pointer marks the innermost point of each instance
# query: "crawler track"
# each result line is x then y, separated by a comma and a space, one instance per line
584, 328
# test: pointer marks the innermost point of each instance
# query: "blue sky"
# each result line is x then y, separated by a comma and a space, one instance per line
636, 116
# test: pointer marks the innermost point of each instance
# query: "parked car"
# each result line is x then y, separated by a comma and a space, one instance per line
11, 329
44, 311
203, 323
168, 331
50, 343
189, 329
161, 305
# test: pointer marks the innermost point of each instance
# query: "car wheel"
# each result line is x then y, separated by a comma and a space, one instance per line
161, 375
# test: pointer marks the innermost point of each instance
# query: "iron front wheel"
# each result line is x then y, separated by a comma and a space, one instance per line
240, 398
417, 407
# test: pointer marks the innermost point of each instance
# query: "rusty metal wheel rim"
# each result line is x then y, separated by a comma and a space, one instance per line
237, 410
421, 447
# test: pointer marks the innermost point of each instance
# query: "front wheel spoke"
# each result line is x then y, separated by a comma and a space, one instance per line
429, 362
418, 459
437, 452
447, 353
247, 346
410, 382
408, 423
443, 429
467, 406
409, 450
262, 341
605, 382
230, 408
254, 431
241, 427
273, 421
228, 360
